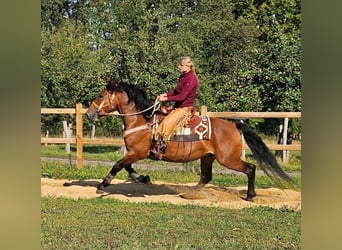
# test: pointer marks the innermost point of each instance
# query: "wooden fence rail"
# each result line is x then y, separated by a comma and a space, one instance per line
79, 140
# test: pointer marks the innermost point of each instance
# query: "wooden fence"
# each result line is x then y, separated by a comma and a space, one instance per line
80, 140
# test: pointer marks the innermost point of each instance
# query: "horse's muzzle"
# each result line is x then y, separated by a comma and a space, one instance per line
92, 115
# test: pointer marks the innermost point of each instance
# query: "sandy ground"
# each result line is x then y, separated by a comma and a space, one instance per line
181, 194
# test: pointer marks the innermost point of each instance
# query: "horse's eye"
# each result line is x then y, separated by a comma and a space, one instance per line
100, 96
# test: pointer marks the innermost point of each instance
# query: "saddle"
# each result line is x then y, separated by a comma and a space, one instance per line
198, 127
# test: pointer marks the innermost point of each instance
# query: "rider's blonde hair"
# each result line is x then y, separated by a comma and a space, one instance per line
186, 60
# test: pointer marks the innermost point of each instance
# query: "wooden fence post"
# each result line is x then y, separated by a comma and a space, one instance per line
92, 136
204, 110
66, 134
286, 123
46, 136
79, 135
243, 153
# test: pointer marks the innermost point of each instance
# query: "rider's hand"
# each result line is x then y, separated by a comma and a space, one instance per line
162, 97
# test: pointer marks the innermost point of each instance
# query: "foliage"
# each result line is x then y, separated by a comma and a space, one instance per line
113, 224
70, 70
247, 53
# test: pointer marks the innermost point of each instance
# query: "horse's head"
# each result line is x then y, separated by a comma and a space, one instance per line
103, 104
122, 97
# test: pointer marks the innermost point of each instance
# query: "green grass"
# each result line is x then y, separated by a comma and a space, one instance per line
112, 224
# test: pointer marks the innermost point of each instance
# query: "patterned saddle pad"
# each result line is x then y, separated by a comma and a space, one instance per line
198, 128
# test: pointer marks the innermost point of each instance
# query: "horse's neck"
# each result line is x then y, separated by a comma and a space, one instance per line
134, 121
131, 121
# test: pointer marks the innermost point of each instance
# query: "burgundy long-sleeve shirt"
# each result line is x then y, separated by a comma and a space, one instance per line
185, 92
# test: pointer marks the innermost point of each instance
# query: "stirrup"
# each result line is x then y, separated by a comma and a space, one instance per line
155, 150
163, 146
155, 154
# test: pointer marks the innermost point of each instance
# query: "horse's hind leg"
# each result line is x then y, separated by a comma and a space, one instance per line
206, 169
249, 170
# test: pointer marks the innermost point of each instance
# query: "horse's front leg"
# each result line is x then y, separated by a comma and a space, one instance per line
131, 172
107, 180
137, 177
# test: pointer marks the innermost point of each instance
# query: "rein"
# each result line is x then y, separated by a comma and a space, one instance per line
147, 126
155, 107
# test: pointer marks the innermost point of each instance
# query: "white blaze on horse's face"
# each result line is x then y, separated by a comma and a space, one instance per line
102, 105
105, 100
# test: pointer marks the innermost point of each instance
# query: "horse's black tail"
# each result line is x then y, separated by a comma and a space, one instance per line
261, 152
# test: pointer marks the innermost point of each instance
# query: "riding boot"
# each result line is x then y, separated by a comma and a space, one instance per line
155, 151
162, 146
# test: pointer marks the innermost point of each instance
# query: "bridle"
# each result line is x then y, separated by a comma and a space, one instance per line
110, 98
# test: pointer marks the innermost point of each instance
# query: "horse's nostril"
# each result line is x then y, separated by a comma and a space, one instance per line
92, 115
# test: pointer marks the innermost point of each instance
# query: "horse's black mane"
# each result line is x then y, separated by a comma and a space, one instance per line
134, 94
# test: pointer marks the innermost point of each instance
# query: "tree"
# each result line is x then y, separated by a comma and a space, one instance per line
276, 68
71, 71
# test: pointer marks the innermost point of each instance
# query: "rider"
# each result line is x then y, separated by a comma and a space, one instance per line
184, 96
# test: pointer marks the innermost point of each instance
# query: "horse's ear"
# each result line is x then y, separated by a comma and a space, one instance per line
112, 85
114, 82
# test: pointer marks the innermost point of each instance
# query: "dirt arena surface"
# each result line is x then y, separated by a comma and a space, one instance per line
210, 195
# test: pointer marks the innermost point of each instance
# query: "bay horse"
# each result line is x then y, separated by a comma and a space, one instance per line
224, 145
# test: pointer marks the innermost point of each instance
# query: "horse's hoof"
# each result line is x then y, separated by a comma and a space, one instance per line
102, 185
249, 198
99, 191
144, 179
200, 185
148, 179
